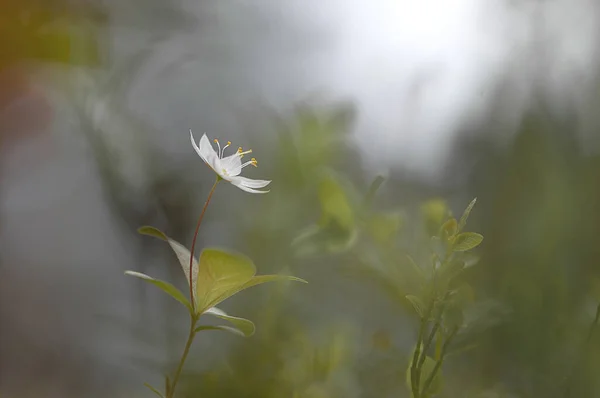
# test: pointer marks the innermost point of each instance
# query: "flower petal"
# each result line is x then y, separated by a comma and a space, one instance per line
250, 183
238, 183
196, 146
207, 151
233, 164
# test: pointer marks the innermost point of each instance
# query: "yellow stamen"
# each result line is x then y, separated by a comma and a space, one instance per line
241, 152
253, 162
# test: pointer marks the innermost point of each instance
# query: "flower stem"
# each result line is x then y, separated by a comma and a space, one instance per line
193, 320
212, 190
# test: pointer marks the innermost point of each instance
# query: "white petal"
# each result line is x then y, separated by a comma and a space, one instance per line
250, 183
233, 164
238, 183
196, 146
206, 151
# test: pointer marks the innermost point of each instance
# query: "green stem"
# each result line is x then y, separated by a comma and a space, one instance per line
186, 351
415, 374
584, 350
212, 190
427, 345
439, 363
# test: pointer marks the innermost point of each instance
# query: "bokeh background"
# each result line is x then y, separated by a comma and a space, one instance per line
446, 100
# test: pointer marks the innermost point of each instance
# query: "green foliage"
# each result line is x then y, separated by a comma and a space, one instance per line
466, 241
154, 390
243, 326
217, 276
428, 368
165, 286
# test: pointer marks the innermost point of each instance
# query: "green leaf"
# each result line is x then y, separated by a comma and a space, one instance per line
258, 280
334, 203
244, 327
165, 286
182, 253
219, 273
434, 211
465, 216
417, 303
384, 226
448, 229
154, 390
467, 241
219, 327
426, 370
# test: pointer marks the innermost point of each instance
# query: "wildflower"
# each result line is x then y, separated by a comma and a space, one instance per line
228, 168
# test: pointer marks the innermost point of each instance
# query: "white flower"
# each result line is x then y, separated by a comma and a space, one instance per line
230, 167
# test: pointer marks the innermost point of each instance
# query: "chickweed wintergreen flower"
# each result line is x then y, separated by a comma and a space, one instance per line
229, 167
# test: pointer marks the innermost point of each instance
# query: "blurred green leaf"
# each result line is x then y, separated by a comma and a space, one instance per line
417, 303
154, 390
244, 327
467, 241
434, 211
165, 286
448, 229
384, 226
465, 216
220, 327
334, 203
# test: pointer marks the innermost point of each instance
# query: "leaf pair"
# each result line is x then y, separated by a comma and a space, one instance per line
217, 276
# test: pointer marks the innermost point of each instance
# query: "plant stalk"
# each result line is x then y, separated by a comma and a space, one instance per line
193, 320
212, 190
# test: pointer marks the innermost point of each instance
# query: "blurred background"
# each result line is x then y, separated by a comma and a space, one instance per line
446, 100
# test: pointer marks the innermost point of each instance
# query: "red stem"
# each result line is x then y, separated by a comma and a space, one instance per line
212, 190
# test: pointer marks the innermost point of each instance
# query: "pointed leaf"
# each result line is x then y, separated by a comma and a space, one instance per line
220, 272
219, 327
467, 241
165, 286
245, 326
182, 253
257, 280
154, 390
465, 216
417, 303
